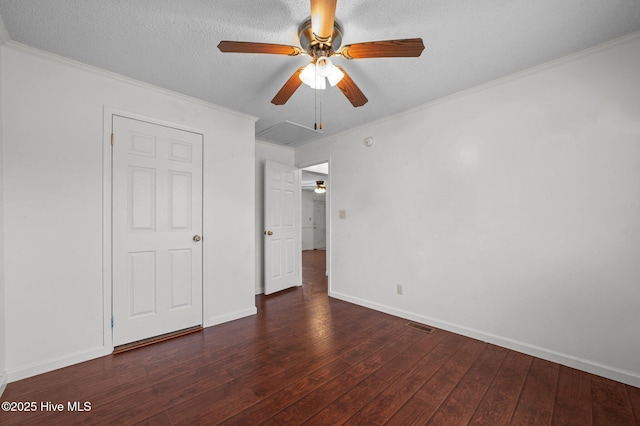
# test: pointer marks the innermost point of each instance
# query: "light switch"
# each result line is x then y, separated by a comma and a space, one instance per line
342, 214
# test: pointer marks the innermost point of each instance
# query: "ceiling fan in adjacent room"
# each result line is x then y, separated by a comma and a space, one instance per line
320, 38
317, 186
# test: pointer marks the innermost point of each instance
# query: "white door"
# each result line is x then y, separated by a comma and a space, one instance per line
282, 248
319, 225
157, 223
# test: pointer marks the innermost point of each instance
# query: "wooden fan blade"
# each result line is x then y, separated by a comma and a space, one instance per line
323, 14
288, 89
250, 47
403, 48
351, 90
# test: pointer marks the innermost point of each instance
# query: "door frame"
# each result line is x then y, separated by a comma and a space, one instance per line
327, 216
107, 205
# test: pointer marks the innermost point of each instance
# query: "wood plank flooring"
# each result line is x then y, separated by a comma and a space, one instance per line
309, 359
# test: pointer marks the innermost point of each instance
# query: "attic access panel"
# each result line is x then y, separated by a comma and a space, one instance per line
287, 133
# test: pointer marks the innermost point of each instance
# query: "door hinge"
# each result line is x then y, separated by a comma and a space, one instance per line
112, 323
112, 138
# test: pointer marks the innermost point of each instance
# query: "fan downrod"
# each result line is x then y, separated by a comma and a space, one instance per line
313, 46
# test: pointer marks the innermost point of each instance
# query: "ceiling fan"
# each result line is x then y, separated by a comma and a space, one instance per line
320, 38
317, 186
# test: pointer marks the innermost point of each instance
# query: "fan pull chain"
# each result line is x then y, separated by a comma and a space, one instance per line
315, 108
321, 110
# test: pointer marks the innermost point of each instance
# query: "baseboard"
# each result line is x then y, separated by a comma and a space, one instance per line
76, 358
230, 316
609, 372
56, 363
4, 379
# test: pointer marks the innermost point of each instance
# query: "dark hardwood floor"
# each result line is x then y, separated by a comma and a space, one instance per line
306, 358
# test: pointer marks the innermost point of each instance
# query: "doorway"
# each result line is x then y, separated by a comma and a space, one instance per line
314, 207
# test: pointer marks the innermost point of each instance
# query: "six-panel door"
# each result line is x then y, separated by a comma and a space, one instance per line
157, 212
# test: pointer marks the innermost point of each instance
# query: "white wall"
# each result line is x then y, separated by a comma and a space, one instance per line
509, 212
3, 376
283, 155
57, 303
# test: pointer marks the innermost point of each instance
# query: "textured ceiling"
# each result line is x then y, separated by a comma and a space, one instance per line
172, 44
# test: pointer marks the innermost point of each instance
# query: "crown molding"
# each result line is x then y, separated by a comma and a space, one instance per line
630, 38
119, 77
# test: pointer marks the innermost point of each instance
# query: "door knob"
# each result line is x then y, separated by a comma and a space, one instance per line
268, 232
197, 238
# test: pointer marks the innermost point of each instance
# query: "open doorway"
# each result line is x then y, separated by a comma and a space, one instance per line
314, 182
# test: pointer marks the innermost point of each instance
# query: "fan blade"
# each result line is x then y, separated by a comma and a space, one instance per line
403, 48
323, 13
288, 89
350, 90
249, 47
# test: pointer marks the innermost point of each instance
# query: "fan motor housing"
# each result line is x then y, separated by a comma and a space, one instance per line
312, 45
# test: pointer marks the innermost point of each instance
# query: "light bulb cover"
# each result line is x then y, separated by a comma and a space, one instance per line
308, 74
310, 77
335, 76
324, 66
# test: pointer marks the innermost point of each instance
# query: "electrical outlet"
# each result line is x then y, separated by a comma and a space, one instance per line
399, 288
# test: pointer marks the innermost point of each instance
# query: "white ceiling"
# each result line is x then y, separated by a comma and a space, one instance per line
172, 44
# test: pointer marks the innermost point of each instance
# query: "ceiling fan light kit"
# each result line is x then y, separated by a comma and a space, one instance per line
320, 38
314, 74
